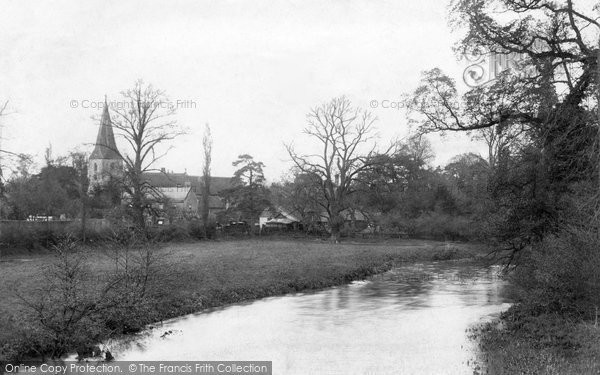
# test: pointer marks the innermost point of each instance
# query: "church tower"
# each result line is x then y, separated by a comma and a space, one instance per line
105, 161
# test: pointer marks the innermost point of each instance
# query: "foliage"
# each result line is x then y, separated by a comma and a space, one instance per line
201, 230
538, 118
249, 196
52, 192
560, 273
169, 233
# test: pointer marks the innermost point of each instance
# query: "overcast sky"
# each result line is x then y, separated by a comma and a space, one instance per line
252, 68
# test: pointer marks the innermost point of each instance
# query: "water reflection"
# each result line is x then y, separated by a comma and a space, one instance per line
411, 320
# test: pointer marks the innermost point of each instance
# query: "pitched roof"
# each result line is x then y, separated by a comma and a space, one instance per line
217, 184
106, 147
278, 214
175, 195
162, 179
215, 202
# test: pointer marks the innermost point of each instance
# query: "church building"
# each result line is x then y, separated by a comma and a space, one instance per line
105, 161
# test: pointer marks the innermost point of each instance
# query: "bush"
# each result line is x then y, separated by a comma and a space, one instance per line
196, 230
560, 274
433, 225
29, 236
71, 310
168, 233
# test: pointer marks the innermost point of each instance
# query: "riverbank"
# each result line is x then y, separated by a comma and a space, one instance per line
211, 274
525, 344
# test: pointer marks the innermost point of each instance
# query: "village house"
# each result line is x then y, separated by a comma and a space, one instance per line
278, 218
188, 191
177, 202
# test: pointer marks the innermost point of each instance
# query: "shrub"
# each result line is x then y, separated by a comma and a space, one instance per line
433, 225
560, 274
196, 230
167, 233
71, 310
29, 235
65, 306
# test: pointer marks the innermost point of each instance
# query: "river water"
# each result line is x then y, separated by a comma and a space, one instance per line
411, 320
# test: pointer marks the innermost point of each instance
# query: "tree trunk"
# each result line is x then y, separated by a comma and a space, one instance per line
83, 219
335, 223
138, 210
205, 204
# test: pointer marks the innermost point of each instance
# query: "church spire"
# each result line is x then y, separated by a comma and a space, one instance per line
106, 147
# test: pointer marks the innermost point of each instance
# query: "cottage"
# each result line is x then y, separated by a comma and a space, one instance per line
182, 200
181, 186
277, 217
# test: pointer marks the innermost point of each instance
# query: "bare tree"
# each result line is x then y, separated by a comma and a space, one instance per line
145, 122
11, 157
8, 159
207, 143
346, 138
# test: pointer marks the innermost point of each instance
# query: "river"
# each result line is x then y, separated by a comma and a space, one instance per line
410, 320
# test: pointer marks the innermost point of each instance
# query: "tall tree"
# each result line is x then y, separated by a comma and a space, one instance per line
345, 137
248, 196
79, 163
8, 159
207, 143
146, 123
545, 99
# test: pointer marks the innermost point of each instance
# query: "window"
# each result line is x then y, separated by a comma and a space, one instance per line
95, 167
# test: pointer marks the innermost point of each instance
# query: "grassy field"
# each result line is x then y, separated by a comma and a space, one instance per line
208, 274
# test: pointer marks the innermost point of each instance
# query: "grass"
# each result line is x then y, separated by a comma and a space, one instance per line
210, 274
546, 345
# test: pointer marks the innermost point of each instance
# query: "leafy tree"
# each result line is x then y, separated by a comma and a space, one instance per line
468, 176
51, 192
548, 107
400, 181
248, 196
57, 189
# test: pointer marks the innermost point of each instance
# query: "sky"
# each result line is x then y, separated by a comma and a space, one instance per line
251, 70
